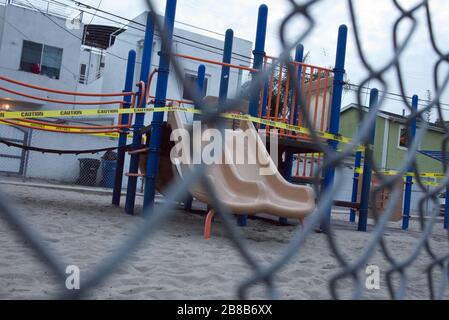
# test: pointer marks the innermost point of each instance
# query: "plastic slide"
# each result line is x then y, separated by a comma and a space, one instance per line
247, 189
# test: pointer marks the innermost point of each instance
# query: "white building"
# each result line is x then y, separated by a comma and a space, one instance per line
39, 46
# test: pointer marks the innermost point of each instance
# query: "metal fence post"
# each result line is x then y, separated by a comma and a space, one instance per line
140, 118
355, 184
121, 152
160, 102
367, 168
409, 180
334, 128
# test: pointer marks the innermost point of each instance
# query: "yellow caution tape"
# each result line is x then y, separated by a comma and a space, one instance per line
102, 112
59, 129
105, 112
407, 174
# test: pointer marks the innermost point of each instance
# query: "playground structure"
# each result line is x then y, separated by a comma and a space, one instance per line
314, 103
323, 88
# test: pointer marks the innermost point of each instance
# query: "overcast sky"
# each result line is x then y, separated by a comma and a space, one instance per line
375, 20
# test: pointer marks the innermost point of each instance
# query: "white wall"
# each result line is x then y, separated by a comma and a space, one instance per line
21, 24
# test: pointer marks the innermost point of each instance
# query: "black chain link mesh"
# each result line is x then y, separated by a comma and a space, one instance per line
350, 267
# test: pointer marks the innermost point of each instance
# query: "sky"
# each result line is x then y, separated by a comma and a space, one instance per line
375, 24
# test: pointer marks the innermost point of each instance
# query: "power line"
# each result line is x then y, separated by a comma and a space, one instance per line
78, 3
67, 31
397, 96
96, 11
134, 25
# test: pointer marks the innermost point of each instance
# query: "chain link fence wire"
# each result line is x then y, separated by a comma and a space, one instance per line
350, 267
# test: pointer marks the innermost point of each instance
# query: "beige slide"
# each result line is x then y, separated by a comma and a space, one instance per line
246, 189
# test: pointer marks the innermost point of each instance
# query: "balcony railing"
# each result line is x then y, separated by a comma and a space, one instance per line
46, 7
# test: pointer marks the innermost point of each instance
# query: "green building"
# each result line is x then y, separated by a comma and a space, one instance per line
390, 147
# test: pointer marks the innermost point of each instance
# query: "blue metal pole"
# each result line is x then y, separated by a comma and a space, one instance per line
296, 90
160, 101
409, 180
299, 57
123, 139
225, 70
446, 210
334, 128
259, 54
367, 169
355, 184
201, 80
140, 118
224, 88
200, 88
264, 103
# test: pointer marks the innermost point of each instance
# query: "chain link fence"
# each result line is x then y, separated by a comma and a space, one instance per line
350, 267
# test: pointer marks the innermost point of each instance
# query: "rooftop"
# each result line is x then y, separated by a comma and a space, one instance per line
391, 116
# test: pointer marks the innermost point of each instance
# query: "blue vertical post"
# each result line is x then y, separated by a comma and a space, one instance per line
259, 54
355, 184
299, 57
446, 210
225, 70
296, 90
200, 82
367, 168
200, 90
121, 153
334, 128
140, 118
409, 180
224, 88
160, 101
264, 102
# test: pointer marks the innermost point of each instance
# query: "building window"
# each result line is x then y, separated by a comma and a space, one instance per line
192, 79
403, 138
41, 59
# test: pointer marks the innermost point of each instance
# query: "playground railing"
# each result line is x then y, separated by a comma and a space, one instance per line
83, 129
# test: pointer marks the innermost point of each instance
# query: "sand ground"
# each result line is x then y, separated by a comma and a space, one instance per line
177, 263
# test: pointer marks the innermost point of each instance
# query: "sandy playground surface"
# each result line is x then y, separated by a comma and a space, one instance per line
177, 263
